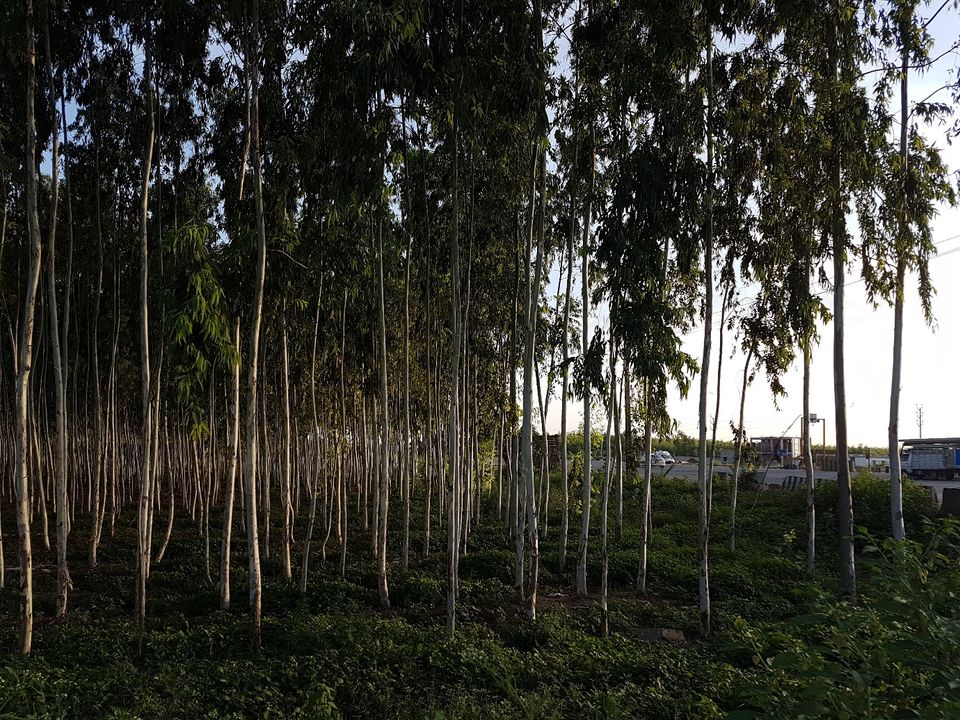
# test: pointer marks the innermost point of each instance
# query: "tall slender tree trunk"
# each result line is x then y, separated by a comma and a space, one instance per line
342, 509
532, 305
61, 500
716, 408
618, 528
738, 453
65, 327
808, 462
146, 473
564, 461
848, 572
250, 471
287, 470
408, 473
703, 534
384, 500
893, 429
315, 480
453, 429
100, 431
585, 289
25, 345
647, 486
605, 501
225, 548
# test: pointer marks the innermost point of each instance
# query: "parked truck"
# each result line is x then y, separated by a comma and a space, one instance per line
931, 458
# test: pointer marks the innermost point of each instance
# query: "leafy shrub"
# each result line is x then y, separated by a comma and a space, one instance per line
871, 504
895, 656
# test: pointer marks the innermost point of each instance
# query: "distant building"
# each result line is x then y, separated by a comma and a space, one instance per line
777, 450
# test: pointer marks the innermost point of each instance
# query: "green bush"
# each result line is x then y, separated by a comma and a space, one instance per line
894, 656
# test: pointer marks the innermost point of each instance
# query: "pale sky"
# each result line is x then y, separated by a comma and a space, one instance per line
931, 355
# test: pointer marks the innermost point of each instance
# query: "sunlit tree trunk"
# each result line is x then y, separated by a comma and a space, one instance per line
171, 500
564, 461
250, 471
315, 480
384, 493
100, 429
61, 500
585, 288
342, 493
716, 408
146, 473
738, 453
605, 498
287, 470
408, 474
848, 573
25, 345
532, 306
226, 546
893, 429
647, 491
703, 533
808, 463
453, 443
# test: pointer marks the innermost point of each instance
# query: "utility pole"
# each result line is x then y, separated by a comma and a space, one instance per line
823, 422
920, 419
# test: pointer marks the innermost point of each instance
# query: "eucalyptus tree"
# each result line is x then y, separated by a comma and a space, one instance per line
766, 130
831, 45
648, 228
703, 480
846, 105
25, 344
913, 181
252, 60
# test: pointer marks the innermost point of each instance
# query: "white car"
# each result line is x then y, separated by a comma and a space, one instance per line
655, 461
666, 457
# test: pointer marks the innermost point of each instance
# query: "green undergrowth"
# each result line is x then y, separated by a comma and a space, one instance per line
333, 653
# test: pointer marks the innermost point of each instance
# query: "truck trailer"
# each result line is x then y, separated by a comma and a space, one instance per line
930, 458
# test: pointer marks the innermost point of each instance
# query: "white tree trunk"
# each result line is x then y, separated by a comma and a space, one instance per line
226, 545
25, 346
250, 469
703, 535
587, 474
146, 473
893, 429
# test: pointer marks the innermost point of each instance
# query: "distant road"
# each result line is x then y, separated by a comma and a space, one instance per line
778, 477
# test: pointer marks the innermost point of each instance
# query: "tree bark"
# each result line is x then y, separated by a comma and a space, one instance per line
848, 573
893, 429
453, 430
585, 289
250, 471
738, 453
647, 487
532, 306
304, 569
146, 474
808, 462
61, 500
287, 470
225, 548
564, 461
605, 501
703, 534
383, 589
25, 345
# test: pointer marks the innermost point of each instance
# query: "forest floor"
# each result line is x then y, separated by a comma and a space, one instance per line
333, 653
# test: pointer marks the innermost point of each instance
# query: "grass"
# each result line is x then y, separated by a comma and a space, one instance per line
332, 652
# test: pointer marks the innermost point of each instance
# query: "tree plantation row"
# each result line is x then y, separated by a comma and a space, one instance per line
320, 269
